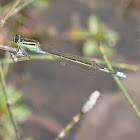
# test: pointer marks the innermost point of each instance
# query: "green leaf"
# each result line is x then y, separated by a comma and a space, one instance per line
100, 35
14, 95
109, 51
21, 113
111, 37
8, 127
41, 3
90, 48
93, 24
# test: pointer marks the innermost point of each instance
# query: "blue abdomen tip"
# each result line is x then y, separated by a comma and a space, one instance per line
41, 51
121, 74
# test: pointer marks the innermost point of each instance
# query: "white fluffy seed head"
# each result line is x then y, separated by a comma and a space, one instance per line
94, 96
91, 102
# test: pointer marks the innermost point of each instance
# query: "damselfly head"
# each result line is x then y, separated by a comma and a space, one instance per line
17, 38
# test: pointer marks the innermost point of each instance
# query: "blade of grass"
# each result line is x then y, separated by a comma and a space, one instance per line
2, 21
17, 9
124, 92
20, 7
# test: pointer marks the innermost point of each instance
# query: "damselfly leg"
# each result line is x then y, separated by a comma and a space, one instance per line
20, 48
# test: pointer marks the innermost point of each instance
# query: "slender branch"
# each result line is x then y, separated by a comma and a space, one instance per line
8, 103
2, 21
7, 48
128, 98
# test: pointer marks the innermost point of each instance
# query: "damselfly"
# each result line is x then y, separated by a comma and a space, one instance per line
24, 44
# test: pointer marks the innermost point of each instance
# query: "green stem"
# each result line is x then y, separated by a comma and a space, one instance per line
5, 92
22, 6
128, 98
69, 126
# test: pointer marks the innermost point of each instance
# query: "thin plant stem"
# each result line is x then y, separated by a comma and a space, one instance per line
7, 48
20, 7
2, 21
126, 95
49, 57
86, 108
8, 103
69, 126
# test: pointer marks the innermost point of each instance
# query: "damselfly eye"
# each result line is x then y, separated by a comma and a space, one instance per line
17, 38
